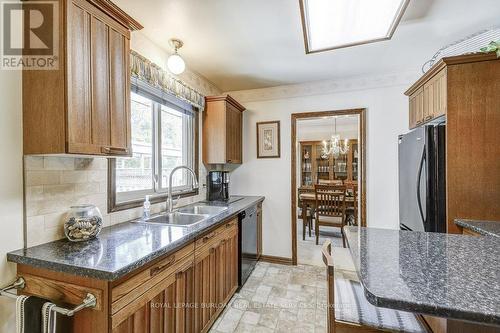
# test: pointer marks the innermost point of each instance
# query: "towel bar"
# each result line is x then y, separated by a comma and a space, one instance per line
89, 301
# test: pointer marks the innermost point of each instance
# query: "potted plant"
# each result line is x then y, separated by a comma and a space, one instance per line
492, 47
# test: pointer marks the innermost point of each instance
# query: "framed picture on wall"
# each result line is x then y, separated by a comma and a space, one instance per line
268, 139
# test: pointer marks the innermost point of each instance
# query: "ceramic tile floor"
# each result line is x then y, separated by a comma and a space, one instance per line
308, 253
278, 298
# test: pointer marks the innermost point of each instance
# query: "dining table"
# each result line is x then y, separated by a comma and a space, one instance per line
308, 199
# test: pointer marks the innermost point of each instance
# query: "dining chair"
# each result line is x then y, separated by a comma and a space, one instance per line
330, 208
307, 224
352, 189
350, 312
330, 182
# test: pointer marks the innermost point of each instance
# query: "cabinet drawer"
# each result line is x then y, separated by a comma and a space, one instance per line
210, 241
213, 236
137, 285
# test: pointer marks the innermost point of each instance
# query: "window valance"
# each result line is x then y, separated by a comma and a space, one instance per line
144, 70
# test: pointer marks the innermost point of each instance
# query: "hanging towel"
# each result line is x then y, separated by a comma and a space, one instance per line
49, 318
34, 315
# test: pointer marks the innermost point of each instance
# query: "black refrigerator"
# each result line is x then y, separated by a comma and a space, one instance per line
422, 179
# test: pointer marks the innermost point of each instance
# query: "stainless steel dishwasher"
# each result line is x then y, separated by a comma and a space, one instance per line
247, 241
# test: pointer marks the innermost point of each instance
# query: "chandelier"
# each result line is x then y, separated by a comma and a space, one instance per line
335, 146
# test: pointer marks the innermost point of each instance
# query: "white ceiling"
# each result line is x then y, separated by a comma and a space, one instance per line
246, 44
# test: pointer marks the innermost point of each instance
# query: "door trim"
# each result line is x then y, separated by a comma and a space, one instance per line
362, 144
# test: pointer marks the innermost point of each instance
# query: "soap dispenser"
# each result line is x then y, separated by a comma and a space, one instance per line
146, 208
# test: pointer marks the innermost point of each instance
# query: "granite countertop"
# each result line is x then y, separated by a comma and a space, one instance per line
122, 248
486, 228
442, 275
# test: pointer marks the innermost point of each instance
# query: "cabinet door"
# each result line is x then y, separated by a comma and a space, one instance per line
204, 289
79, 83
231, 280
98, 83
220, 267
234, 134
164, 308
119, 92
440, 93
417, 108
429, 100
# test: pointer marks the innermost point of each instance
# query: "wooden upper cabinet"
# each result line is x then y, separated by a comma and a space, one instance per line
222, 131
417, 108
428, 97
90, 112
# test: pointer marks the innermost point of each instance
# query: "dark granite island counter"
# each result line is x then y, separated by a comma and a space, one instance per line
485, 228
121, 248
443, 275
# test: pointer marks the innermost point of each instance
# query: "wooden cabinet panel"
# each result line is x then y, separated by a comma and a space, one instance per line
440, 93
163, 308
119, 90
222, 131
93, 82
215, 274
430, 100
79, 115
234, 120
417, 108
100, 82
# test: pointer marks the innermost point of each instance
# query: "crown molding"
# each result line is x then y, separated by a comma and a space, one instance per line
326, 87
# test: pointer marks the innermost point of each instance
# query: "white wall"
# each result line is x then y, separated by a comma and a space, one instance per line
320, 133
11, 186
387, 117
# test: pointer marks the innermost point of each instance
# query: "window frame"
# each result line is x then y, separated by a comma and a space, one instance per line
161, 196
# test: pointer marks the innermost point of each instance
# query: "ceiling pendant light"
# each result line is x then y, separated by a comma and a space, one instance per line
175, 63
335, 146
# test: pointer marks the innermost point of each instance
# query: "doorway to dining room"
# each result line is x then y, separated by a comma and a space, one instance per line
328, 179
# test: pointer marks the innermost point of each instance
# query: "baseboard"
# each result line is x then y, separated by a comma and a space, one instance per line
277, 260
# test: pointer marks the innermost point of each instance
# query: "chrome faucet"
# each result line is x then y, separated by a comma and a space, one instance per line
170, 202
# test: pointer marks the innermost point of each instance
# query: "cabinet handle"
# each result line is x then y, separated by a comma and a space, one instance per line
212, 250
207, 237
222, 242
158, 269
229, 225
429, 117
229, 161
114, 150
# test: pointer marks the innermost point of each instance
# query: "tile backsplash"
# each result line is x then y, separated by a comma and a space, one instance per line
53, 184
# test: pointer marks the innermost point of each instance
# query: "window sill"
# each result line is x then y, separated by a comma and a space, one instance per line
116, 207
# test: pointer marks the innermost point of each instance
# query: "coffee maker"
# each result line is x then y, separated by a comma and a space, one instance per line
218, 186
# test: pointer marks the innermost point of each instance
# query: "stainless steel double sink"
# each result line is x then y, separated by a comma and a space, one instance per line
186, 216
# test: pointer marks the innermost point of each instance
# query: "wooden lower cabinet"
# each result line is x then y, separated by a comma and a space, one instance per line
181, 292
215, 274
165, 307
166, 312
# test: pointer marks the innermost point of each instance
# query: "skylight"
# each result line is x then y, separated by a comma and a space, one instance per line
332, 24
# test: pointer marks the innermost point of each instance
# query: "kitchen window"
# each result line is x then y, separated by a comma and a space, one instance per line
164, 136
